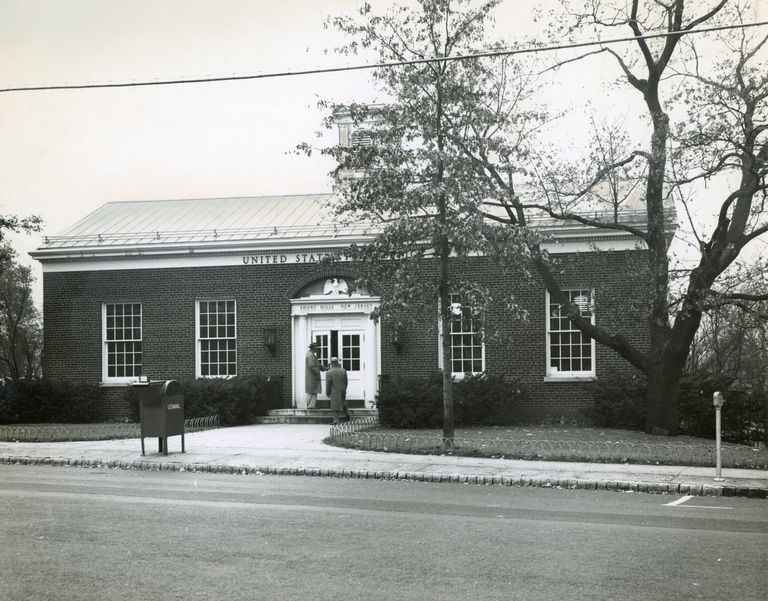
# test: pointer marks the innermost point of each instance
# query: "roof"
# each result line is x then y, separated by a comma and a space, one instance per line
207, 222
230, 225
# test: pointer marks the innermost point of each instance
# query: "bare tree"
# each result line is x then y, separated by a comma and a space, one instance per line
721, 131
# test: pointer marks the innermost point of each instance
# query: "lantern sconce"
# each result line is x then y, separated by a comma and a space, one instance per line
270, 339
397, 336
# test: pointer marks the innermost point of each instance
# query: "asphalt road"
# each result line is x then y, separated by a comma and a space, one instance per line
70, 533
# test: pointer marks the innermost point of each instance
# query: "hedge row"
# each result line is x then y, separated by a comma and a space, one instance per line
49, 401
237, 401
620, 403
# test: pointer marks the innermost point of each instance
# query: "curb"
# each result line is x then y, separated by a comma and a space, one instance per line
522, 481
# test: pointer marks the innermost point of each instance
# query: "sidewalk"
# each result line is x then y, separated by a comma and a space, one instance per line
293, 449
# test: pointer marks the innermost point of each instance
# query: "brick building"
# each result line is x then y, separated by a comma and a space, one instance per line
178, 289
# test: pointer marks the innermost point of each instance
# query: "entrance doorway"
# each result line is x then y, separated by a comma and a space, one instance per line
341, 326
347, 347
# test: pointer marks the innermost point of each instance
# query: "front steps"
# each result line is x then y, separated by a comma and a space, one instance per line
307, 416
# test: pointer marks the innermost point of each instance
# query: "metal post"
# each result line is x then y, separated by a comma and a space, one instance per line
719, 465
718, 400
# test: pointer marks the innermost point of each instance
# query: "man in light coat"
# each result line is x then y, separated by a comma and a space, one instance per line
336, 389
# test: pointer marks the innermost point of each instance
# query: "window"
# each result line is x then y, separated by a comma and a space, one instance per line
467, 354
569, 351
216, 339
121, 333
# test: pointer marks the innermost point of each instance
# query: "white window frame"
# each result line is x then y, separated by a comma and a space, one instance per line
455, 374
105, 377
553, 373
199, 339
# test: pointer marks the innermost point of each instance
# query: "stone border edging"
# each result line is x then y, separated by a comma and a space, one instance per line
522, 481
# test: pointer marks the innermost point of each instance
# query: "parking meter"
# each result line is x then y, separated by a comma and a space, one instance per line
717, 401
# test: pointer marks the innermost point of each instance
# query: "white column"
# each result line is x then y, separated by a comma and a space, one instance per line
299, 352
371, 363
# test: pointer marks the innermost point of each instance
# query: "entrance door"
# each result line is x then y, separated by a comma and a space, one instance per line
347, 346
323, 340
350, 345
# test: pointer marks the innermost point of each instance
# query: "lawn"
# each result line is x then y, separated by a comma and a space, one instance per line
555, 443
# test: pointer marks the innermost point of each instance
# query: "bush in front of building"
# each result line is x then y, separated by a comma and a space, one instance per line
620, 403
237, 401
49, 401
483, 400
413, 402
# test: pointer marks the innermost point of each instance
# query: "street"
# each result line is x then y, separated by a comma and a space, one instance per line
69, 533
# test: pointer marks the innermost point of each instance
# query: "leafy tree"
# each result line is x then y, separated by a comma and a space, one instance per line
20, 325
21, 332
404, 174
713, 124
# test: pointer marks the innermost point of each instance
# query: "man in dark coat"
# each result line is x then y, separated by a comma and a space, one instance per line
336, 389
312, 371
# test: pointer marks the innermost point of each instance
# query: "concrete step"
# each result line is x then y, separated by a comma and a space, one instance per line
307, 416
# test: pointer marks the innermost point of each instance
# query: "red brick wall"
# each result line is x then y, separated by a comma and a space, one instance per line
73, 300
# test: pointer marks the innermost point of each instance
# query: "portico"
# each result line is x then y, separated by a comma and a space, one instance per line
340, 322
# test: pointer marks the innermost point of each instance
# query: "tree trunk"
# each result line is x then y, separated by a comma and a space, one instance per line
448, 420
667, 367
444, 252
661, 401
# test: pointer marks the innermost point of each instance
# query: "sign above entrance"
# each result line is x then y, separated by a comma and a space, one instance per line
311, 306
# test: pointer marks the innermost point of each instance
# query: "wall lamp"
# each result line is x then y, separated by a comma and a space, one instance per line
396, 336
270, 339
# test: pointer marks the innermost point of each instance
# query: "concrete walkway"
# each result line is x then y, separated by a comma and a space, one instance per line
293, 449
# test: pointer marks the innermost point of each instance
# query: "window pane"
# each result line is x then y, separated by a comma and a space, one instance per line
569, 349
216, 341
465, 339
123, 340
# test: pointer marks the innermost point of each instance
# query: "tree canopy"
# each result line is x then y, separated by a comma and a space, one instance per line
458, 147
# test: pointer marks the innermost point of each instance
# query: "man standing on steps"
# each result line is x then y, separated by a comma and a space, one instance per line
336, 389
312, 375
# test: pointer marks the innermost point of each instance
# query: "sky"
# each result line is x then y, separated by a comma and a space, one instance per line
65, 153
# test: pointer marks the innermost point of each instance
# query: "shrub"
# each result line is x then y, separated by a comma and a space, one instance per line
49, 401
418, 402
237, 401
411, 402
620, 403
486, 400
743, 417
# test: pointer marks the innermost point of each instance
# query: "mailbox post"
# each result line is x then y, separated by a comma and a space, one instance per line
162, 412
718, 400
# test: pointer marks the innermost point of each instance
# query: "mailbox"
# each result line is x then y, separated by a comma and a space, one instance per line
162, 412
718, 400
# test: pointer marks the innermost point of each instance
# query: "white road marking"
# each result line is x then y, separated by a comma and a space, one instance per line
682, 500
679, 501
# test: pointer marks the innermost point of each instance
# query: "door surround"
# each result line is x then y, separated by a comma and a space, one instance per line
340, 305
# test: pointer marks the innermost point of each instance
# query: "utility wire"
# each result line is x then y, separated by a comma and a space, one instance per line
490, 54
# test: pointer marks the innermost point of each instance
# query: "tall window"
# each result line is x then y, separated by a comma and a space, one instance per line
121, 334
569, 351
216, 338
466, 339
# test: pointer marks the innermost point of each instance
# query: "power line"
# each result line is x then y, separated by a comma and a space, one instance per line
491, 54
